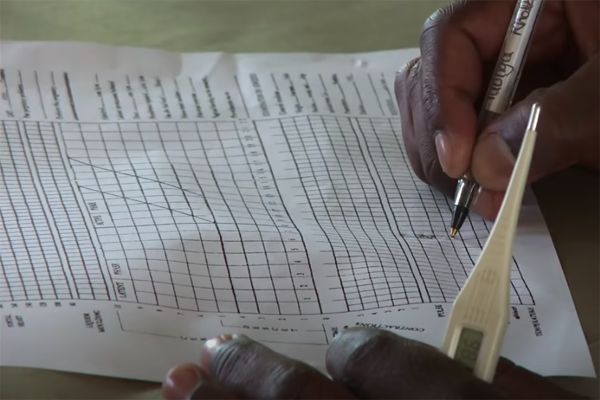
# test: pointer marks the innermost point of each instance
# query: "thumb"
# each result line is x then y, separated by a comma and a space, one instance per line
568, 132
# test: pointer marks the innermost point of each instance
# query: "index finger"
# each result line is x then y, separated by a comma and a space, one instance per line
250, 370
456, 42
377, 364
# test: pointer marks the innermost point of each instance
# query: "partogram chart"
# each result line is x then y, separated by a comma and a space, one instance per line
193, 213
422, 214
190, 215
388, 231
166, 198
46, 249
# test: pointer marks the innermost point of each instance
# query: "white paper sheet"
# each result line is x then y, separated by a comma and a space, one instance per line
150, 200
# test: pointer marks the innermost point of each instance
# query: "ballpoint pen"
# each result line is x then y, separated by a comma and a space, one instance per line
479, 317
499, 95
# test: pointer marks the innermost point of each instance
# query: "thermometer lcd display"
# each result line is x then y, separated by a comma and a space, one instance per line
468, 347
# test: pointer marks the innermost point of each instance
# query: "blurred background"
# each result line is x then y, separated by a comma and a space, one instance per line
222, 25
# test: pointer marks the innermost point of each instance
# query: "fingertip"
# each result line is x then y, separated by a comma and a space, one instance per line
346, 344
376, 363
443, 146
487, 204
353, 337
493, 162
458, 132
354, 348
181, 381
454, 152
212, 346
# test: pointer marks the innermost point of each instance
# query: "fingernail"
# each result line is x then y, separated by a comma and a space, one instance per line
212, 345
181, 381
444, 149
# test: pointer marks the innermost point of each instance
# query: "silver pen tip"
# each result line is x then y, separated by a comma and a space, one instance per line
534, 117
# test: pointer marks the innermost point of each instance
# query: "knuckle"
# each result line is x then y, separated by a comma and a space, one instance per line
414, 158
431, 163
405, 75
291, 380
441, 18
257, 371
552, 112
438, 17
433, 30
408, 94
431, 107
414, 71
230, 358
361, 347
555, 121
405, 79
413, 87
421, 132
379, 361
412, 66
419, 172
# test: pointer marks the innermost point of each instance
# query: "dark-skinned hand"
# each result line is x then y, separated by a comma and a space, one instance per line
363, 363
440, 94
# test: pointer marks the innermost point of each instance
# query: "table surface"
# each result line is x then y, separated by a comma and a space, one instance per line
284, 26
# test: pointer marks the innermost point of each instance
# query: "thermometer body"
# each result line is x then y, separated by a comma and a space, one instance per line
480, 313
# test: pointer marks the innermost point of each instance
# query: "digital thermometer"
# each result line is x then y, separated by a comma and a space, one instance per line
480, 313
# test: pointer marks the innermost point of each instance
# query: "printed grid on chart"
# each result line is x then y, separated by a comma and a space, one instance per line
339, 161
46, 251
194, 213
425, 216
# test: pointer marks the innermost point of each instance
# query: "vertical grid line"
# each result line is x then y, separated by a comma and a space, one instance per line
358, 242
309, 264
25, 243
235, 221
212, 172
56, 239
125, 201
74, 190
410, 222
75, 236
326, 210
9, 240
187, 263
212, 215
375, 224
404, 251
162, 190
43, 191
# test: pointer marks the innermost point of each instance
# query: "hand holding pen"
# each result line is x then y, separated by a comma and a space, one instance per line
440, 96
500, 93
